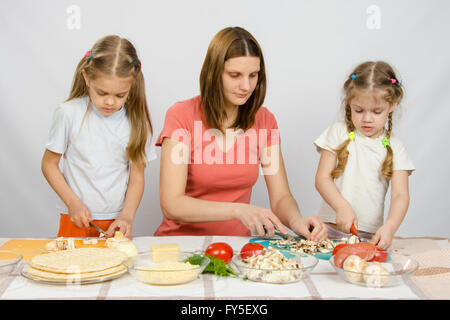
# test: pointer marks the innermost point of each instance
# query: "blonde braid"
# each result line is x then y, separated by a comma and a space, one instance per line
388, 163
341, 151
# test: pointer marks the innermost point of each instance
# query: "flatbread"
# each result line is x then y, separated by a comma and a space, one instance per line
79, 260
53, 276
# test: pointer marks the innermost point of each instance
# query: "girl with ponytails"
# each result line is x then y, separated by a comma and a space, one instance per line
360, 158
99, 142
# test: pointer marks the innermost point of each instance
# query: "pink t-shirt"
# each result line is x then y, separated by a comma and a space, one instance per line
213, 174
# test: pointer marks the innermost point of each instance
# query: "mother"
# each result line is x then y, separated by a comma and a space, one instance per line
213, 144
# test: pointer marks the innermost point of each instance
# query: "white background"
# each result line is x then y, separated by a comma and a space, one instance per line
310, 47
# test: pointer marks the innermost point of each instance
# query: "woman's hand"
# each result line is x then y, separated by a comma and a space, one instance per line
312, 228
124, 225
345, 217
256, 219
79, 214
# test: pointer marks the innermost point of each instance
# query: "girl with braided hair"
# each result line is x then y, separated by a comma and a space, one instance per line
360, 158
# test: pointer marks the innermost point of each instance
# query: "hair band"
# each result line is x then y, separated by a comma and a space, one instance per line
88, 55
133, 63
385, 141
351, 135
354, 76
395, 81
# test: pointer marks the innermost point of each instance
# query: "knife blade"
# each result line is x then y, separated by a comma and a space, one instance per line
285, 236
289, 237
97, 228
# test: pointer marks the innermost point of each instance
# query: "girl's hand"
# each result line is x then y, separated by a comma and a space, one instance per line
256, 219
383, 237
312, 228
345, 217
79, 214
123, 225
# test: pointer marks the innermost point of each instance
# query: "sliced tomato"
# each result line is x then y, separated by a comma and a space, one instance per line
220, 250
381, 255
251, 249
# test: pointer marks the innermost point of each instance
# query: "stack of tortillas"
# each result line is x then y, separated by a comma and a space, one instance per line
77, 264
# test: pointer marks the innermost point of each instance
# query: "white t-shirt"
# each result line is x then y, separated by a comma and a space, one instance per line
94, 161
362, 183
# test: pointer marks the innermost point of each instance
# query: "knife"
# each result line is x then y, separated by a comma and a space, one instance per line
97, 228
289, 237
285, 236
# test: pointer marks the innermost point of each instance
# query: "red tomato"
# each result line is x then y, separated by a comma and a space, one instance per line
381, 255
251, 249
220, 250
338, 247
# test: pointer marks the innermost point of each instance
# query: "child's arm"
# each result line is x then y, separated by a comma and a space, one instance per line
78, 212
345, 215
133, 197
397, 210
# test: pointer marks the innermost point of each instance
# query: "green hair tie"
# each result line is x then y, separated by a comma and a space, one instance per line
385, 141
351, 135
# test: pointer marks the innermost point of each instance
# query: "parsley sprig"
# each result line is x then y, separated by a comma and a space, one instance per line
216, 266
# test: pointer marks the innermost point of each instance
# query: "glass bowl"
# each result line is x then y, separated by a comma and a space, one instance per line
144, 268
399, 268
268, 270
8, 261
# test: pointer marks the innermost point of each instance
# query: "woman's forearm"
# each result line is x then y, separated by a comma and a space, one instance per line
188, 209
287, 210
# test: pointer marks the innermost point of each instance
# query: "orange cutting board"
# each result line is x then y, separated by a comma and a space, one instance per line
28, 248
99, 244
31, 248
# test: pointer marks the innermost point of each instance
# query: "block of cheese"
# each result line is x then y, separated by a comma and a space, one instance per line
164, 252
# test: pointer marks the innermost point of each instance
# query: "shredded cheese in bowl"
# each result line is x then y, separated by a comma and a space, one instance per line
168, 273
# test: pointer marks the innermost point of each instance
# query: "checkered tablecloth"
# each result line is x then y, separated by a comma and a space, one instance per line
431, 281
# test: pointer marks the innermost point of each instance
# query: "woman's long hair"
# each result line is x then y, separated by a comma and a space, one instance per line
229, 43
